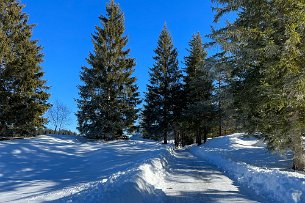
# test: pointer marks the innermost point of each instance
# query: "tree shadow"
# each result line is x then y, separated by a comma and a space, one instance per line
207, 184
32, 167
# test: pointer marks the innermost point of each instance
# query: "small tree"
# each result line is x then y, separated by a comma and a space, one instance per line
59, 116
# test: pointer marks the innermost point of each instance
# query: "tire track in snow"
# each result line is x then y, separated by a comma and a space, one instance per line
190, 179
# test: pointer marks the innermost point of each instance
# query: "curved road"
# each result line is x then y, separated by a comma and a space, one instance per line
191, 179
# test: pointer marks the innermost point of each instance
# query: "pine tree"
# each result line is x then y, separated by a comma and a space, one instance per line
23, 97
198, 90
109, 96
162, 103
266, 45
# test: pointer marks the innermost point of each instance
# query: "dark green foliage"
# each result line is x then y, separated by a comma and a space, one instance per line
108, 98
48, 131
151, 117
198, 111
23, 99
266, 53
163, 99
224, 118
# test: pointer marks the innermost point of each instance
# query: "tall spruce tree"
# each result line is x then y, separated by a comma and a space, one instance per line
266, 45
109, 96
23, 97
198, 90
163, 99
224, 120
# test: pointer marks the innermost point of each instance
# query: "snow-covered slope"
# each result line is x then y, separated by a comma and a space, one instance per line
247, 161
52, 167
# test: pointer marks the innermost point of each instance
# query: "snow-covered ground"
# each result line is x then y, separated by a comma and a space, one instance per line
52, 167
246, 160
58, 168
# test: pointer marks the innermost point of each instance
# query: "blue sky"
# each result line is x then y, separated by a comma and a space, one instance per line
64, 29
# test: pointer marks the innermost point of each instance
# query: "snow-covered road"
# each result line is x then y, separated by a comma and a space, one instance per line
190, 179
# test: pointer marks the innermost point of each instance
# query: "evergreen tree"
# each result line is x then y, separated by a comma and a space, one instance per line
23, 97
266, 45
224, 120
150, 116
109, 96
163, 99
198, 90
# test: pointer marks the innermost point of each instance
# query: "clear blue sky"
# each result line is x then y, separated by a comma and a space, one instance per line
64, 29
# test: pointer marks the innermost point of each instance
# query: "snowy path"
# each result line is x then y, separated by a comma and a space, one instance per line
190, 179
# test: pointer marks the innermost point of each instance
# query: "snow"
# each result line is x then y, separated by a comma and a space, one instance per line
190, 179
124, 186
172, 176
235, 168
50, 168
246, 160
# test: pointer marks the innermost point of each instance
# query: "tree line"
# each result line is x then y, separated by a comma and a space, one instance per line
254, 83
175, 105
264, 51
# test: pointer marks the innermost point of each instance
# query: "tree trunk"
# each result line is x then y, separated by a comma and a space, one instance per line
176, 135
165, 130
165, 137
299, 154
198, 138
120, 133
205, 134
219, 109
2, 129
220, 129
183, 139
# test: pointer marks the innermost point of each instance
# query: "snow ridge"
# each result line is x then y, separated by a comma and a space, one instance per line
137, 184
273, 184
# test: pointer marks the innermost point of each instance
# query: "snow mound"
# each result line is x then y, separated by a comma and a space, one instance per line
137, 184
56, 167
229, 154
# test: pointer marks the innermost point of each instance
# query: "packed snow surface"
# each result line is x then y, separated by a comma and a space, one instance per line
190, 179
246, 160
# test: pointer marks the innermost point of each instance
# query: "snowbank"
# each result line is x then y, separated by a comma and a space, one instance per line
137, 184
229, 154
56, 167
